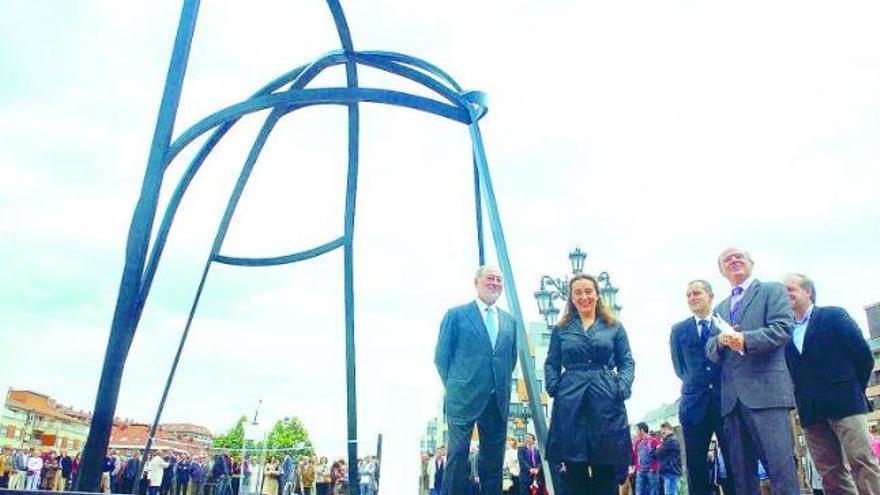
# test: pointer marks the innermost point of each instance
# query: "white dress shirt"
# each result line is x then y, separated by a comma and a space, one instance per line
707, 319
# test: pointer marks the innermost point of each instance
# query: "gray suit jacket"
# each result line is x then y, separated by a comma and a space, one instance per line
759, 379
468, 365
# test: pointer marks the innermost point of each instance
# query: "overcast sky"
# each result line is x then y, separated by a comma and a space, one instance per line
650, 133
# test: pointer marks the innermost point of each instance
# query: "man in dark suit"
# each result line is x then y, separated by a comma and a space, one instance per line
830, 363
287, 468
699, 409
436, 469
530, 468
756, 393
475, 356
66, 464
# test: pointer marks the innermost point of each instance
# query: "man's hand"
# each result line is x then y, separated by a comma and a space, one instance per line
730, 336
533, 471
737, 342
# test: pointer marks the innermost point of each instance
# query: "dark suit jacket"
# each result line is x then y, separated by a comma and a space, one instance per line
700, 377
831, 375
525, 464
468, 365
759, 378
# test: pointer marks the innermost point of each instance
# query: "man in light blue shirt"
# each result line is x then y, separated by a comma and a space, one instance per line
830, 364
800, 328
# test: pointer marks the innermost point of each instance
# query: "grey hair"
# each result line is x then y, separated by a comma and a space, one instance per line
744, 252
706, 285
806, 283
485, 268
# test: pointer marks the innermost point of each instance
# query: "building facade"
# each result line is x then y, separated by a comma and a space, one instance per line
520, 420
128, 437
33, 420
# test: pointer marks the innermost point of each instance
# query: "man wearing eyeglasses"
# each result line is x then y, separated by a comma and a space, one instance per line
755, 323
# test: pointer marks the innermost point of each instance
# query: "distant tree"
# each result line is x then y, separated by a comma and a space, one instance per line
289, 433
233, 439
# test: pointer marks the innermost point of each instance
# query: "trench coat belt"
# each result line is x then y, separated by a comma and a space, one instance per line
587, 367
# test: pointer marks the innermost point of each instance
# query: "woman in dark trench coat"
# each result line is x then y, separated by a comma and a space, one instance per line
589, 373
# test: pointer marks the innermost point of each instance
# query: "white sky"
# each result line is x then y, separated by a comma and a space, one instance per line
650, 133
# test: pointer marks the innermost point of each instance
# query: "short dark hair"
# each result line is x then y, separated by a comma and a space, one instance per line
706, 285
643, 426
531, 435
666, 425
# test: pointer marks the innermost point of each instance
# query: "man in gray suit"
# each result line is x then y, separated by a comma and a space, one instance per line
756, 389
475, 356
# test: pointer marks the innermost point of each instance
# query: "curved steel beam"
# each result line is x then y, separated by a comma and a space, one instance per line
299, 77
254, 154
416, 62
351, 76
124, 316
281, 260
323, 96
532, 389
420, 77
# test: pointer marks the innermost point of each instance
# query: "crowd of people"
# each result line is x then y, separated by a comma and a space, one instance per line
311, 476
656, 458
27, 469
745, 363
167, 472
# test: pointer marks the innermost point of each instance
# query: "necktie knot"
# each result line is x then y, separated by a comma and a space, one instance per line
737, 291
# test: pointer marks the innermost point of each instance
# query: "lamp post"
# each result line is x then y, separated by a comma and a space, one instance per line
519, 419
552, 289
608, 293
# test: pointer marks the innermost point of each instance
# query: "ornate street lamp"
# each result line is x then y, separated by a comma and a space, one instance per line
557, 289
577, 258
608, 293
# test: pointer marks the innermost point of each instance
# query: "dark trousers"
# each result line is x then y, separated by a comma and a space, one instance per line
589, 479
514, 488
557, 478
126, 485
761, 434
492, 428
696, 445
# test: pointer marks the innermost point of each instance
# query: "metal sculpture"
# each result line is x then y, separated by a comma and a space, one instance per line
284, 95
